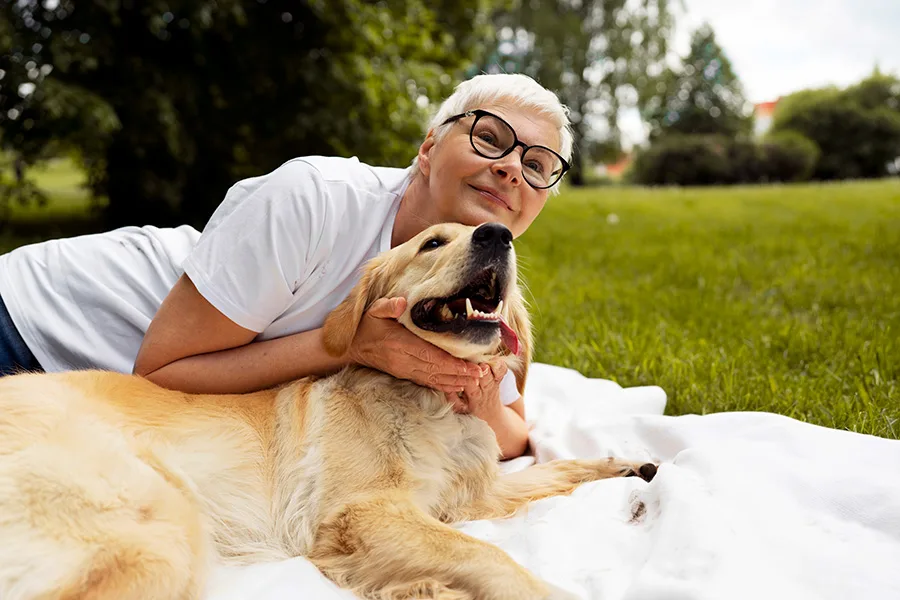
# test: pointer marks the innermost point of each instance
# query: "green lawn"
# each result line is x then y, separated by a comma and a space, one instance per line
69, 210
782, 298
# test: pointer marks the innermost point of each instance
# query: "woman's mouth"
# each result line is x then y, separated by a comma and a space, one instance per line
491, 197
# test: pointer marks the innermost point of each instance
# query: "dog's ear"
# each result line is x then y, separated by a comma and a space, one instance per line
520, 322
341, 324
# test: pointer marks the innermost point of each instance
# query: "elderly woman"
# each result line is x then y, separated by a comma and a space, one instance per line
240, 307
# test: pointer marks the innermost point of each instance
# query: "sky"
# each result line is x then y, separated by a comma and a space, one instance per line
780, 46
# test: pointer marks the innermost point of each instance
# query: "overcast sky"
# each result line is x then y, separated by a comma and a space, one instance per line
779, 46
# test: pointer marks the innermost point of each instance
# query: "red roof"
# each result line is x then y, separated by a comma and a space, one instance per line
766, 108
617, 168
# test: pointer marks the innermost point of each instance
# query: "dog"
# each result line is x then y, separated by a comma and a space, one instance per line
113, 488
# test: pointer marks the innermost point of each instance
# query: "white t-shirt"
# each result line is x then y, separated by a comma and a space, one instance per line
279, 253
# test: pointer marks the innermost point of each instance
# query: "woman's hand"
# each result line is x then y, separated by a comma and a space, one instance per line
482, 397
384, 344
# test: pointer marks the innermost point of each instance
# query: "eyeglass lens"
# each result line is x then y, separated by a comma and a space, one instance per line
492, 138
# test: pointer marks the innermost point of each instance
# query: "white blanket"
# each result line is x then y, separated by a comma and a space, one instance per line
745, 505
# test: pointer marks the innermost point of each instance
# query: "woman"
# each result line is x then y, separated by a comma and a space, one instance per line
181, 308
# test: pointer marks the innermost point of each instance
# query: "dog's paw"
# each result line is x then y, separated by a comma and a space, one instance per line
646, 471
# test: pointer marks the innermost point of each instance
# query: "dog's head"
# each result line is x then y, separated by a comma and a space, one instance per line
461, 290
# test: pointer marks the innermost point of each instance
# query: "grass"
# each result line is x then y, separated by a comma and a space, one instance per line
69, 210
775, 298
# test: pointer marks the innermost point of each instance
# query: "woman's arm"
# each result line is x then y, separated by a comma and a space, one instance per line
192, 347
482, 399
511, 430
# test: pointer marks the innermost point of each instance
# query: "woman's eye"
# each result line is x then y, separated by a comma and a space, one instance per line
535, 166
432, 244
487, 137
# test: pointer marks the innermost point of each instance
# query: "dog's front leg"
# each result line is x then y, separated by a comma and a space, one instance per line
386, 547
511, 492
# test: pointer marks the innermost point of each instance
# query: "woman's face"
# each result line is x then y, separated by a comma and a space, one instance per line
467, 188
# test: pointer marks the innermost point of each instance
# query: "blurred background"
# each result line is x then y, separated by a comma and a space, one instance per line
729, 230
162, 104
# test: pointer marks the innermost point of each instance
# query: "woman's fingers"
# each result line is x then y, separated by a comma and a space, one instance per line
458, 403
387, 308
384, 344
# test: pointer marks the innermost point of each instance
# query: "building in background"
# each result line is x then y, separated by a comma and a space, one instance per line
763, 121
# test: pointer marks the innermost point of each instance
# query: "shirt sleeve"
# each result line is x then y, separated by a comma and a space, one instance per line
261, 244
509, 393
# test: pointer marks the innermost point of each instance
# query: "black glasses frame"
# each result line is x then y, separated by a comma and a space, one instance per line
478, 113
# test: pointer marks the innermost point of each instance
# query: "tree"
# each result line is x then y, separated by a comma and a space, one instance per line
596, 54
857, 129
702, 96
171, 101
876, 92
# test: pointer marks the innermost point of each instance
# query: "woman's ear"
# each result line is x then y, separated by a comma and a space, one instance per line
424, 155
341, 324
520, 322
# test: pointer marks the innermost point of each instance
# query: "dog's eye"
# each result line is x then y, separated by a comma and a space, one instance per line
432, 244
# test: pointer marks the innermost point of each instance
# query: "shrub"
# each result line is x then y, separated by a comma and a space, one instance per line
789, 156
856, 136
746, 162
708, 160
683, 160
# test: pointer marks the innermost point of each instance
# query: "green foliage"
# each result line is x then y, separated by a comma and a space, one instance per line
746, 162
876, 91
716, 160
685, 160
595, 54
16, 189
703, 96
857, 130
789, 156
170, 101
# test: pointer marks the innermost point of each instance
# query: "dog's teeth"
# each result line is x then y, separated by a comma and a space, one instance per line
499, 308
446, 313
469, 309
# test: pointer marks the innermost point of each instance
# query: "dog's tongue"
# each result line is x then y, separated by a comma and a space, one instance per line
509, 337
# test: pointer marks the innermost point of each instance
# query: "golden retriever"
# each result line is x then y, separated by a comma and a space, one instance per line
112, 488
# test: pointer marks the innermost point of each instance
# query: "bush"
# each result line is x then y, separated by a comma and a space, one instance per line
683, 160
789, 156
746, 162
707, 160
826, 133
857, 130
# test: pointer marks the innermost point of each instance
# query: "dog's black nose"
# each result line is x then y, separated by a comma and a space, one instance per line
492, 235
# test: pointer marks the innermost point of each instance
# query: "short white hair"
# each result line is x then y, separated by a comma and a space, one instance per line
521, 91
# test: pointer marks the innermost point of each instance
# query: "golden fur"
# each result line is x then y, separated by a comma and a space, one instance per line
112, 488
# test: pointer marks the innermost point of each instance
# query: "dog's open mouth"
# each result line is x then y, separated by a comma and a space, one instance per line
477, 305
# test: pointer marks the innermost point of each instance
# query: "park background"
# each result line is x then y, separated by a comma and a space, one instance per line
735, 241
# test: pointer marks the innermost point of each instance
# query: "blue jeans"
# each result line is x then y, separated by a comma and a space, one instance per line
15, 356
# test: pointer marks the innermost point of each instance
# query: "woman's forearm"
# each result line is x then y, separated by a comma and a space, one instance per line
260, 365
511, 431
249, 368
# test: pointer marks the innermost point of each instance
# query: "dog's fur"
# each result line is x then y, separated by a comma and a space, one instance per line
112, 488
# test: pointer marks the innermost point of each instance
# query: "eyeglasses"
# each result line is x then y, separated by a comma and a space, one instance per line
494, 138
